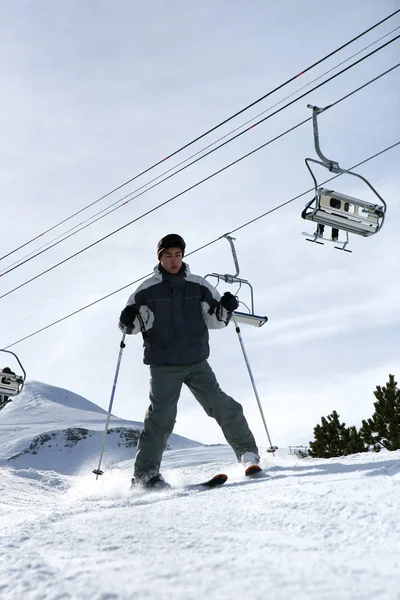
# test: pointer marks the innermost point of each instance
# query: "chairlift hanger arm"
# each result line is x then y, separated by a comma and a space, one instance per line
332, 165
235, 259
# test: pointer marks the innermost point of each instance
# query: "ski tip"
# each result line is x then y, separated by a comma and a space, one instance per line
252, 470
215, 481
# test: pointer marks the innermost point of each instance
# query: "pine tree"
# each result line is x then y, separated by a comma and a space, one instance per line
355, 442
333, 438
328, 437
382, 430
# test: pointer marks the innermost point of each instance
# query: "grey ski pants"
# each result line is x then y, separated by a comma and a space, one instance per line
165, 388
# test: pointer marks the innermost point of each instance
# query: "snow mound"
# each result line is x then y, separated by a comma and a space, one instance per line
37, 399
47, 427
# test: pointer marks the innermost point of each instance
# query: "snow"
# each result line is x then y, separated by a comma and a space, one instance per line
313, 529
45, 409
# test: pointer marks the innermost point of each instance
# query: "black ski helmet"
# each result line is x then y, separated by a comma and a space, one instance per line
172, 240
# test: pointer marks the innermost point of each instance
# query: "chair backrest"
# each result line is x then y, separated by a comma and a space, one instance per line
345, 213
10, 384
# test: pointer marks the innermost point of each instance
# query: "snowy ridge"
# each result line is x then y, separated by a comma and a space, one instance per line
46, 427
43, 403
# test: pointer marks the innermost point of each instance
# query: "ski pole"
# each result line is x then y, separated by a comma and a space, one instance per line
271, 448
98, 471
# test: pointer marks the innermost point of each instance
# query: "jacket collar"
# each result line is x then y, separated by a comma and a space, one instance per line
158, 274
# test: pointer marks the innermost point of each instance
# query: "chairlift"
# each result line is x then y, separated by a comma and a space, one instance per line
248, 318
340, 212
11, 384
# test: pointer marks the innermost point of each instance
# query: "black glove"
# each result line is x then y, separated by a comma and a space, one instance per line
229, 302
128, 316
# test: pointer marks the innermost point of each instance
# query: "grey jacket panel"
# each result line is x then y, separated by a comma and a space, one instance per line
176, 312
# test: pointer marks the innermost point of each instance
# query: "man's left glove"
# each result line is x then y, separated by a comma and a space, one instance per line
128, 316
229, 302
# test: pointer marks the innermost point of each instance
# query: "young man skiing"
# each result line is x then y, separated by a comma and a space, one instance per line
173, 310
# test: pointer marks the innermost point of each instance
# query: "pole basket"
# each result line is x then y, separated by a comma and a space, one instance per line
98, 472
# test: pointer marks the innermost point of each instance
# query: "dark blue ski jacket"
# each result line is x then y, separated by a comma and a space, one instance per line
176, 311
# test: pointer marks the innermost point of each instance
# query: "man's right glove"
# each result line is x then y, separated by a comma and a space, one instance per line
229, 302
128, 316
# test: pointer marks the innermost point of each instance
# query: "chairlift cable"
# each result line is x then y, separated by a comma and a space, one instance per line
153, 209
198, 138
200, 158
124, 200
192, 186
136, 281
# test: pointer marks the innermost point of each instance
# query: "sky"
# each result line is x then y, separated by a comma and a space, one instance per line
306, 528
95, 93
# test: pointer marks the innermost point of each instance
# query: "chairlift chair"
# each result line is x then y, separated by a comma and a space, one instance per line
339, 211
11, 384
247, 318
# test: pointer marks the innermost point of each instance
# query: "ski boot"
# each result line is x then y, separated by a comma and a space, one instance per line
154, 482
250, 461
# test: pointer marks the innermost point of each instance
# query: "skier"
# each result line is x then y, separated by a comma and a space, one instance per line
173, 310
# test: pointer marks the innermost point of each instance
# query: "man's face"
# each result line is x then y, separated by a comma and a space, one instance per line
171, 260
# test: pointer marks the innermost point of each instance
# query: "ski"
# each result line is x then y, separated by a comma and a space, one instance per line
253, 470
215, 481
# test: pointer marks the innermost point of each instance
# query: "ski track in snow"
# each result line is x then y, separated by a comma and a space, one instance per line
326, 530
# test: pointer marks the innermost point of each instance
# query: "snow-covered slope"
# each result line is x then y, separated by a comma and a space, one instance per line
311, 530
314, 530
51, 428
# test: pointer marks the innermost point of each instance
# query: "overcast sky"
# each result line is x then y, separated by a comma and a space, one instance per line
95, 92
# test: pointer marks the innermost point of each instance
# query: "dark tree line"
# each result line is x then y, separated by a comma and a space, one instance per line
382, 430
